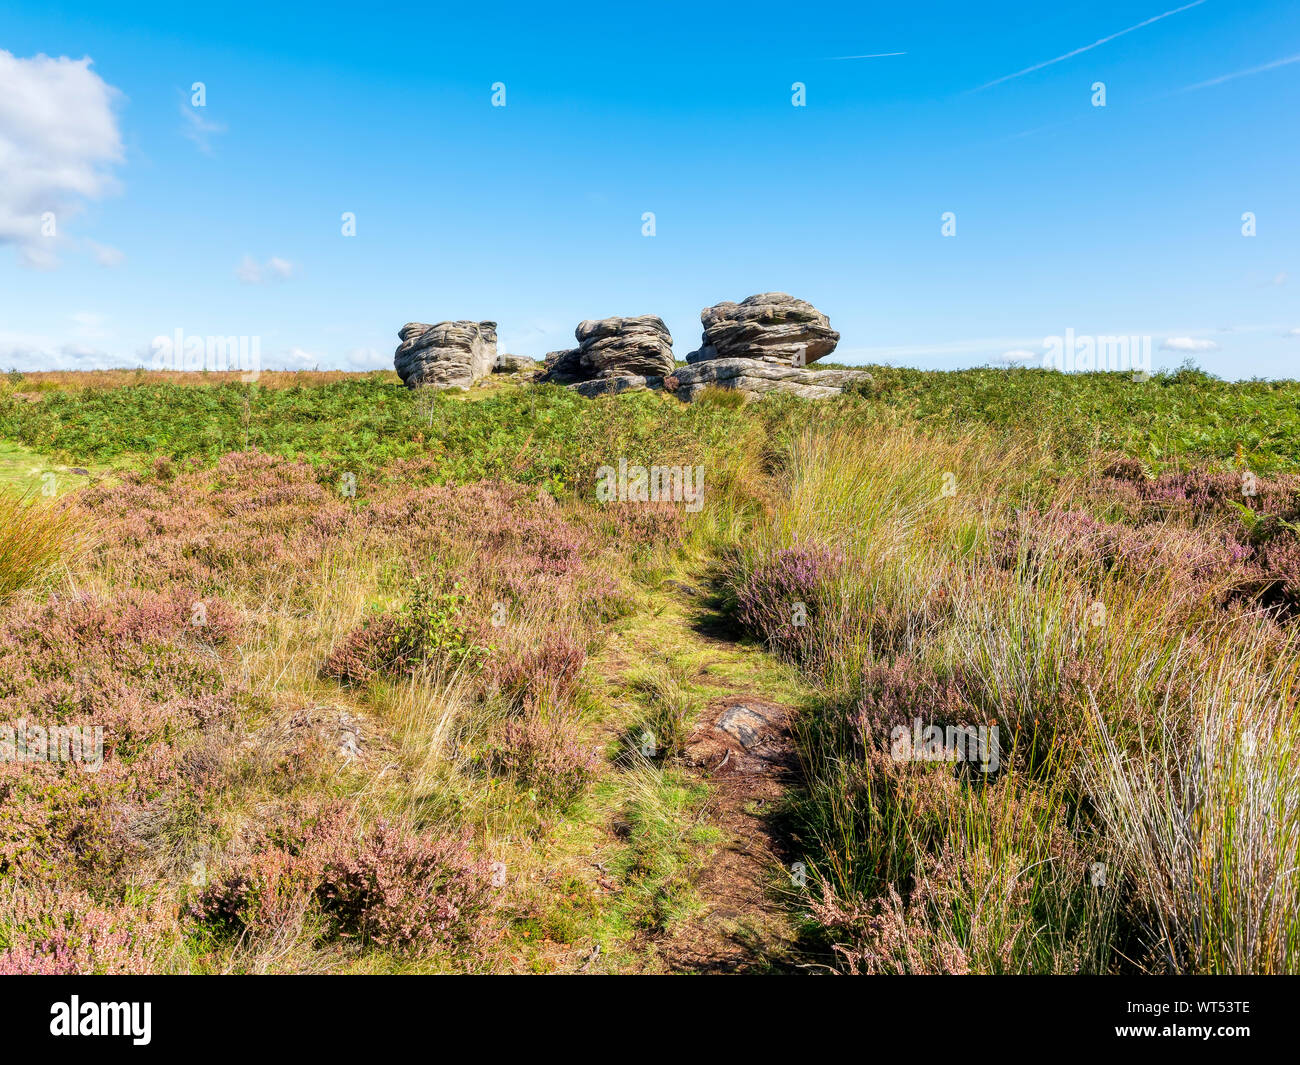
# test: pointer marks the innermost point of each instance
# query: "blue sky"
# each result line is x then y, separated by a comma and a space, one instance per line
226, 220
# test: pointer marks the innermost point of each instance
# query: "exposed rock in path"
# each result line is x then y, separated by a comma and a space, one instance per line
446, 355
750, 738
747, 724
336, 729
771, 324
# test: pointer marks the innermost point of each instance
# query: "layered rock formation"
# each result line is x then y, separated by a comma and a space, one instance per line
507, 363
446, 355
756, 377
769, 325
764, 344
613, 355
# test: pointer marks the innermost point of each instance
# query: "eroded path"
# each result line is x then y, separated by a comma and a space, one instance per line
734, 745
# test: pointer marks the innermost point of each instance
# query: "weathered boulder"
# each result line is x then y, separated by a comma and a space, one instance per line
611, 348
756, 377
561, 367
607, 386
446, 355
507, 363
771, 324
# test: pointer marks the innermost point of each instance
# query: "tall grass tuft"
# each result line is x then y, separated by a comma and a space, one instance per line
34, 536
1144, 815
1204, 813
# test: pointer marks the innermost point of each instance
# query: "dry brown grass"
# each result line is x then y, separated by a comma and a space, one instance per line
79, 380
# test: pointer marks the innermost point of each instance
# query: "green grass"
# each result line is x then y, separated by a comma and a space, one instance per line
1171, 418
26, 472
536, 436
547, 435
617, 869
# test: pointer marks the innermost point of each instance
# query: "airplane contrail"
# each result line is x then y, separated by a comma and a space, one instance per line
1244, 73
1088, 47
878, 55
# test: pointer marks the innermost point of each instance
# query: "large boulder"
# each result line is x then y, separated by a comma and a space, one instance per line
507, 363
757, 377
608, 386
446, 355
561, 367
613, 348
771, 324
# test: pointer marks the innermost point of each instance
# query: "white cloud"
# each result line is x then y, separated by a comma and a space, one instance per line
58, 142
251, 272
368, 359
248, 271
31, 354
277, 267
104, 254
1017, 357
1188, 344
82, 353
1293, 332
89, 325
198, 129
297, 358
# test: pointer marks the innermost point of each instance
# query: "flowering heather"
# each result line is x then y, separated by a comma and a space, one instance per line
780, 599
429, 627
886, 937
1256, 519
646, 524
136, 663
891, 809
388, 887
543, 755
1201, 494
997, 886
1095, 549
544, 668
332, 685
256, 518
57, 822
897, 693
1280, 563
247, 520
62, 932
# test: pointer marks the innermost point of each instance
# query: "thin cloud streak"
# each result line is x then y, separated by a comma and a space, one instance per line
1088, 47
877, 55
1244, 73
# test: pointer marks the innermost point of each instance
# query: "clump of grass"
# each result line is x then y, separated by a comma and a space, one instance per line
716, 396
1205, 818
663, 687
1125, 677
665, 848
34, 536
